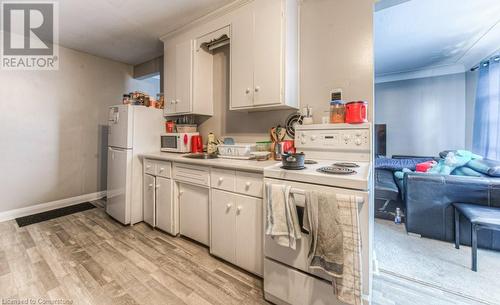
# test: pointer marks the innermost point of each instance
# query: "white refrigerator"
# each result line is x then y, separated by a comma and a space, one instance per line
132, 130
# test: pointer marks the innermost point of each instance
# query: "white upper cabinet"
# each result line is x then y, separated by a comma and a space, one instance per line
241, 79
264, 56
264, 59
180, 86
183, 76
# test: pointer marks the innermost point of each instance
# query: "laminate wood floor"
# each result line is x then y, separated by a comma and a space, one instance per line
87, 258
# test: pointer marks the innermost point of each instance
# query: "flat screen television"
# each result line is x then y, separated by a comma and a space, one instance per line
380, 140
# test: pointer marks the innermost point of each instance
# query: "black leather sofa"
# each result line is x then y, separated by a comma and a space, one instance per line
387, 195
427, 203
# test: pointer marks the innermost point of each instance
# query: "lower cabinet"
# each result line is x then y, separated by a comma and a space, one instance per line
236, 235
149, 199
158, 205
193, 208
164, 212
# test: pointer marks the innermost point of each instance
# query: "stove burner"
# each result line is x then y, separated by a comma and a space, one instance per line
308, 161
293, 168
346, 164
333, 170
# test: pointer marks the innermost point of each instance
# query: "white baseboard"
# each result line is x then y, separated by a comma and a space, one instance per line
47, 206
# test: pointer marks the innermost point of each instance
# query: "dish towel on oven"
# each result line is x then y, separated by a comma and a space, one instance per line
333, 222
282, 222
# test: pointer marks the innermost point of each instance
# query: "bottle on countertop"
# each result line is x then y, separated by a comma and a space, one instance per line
212, 144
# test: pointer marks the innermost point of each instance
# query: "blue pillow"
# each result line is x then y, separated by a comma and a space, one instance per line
466, 171
485, 166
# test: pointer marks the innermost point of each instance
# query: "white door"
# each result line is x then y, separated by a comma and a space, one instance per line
119, 177
193, 210
149, 200
267, 52
223, 225
249, 233
164, 208
170, 79
242, 58
120, 123
183, 73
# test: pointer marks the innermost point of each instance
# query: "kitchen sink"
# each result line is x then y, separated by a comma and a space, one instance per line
201, 156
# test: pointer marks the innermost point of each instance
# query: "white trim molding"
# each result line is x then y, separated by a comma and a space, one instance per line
423, 73
47, 206
176, 29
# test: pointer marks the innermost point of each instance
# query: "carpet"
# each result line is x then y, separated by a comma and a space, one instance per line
437, 263
44, 216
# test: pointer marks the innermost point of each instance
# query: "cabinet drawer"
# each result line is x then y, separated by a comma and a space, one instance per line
191, 174
149, 167
163, 169
223, 179
249, 184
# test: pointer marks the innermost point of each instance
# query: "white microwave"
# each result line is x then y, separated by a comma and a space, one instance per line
177, 142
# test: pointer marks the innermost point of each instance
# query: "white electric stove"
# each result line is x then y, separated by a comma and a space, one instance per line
338, 173
340, 154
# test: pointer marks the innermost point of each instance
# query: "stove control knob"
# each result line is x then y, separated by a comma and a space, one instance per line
303, 141
358, 142
346, 137
303, 134
313, 138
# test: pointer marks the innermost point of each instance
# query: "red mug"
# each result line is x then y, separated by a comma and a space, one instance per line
170, 126
355, 112
196, 144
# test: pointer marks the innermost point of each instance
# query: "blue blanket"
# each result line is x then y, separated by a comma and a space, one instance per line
399, 164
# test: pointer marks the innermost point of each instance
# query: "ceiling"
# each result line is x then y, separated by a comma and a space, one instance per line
126, 30
428, 34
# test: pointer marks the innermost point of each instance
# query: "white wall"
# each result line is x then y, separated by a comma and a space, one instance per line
52, 128
423, 116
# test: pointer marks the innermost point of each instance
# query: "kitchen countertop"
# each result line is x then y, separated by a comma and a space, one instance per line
244, 165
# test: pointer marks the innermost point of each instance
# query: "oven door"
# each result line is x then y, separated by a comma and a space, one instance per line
298, 258
170, 143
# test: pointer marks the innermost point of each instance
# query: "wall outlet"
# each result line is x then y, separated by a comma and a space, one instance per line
336, 94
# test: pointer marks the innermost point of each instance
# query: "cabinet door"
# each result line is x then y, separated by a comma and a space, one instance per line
170, 82
223, 226
249, 254
268, 46
193, 207
242, 58
164, 210
149, 200
183, 74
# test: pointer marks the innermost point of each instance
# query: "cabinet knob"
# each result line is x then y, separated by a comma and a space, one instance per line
238, 209
247, 91
150, 186
247, 185
177, 101
228, 206
257, 88
221, 179
157, 186
161, 169
148, 166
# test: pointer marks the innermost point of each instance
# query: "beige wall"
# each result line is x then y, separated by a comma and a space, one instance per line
52, 128
336, 52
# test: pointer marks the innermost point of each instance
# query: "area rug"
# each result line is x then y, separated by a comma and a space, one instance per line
44, 216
